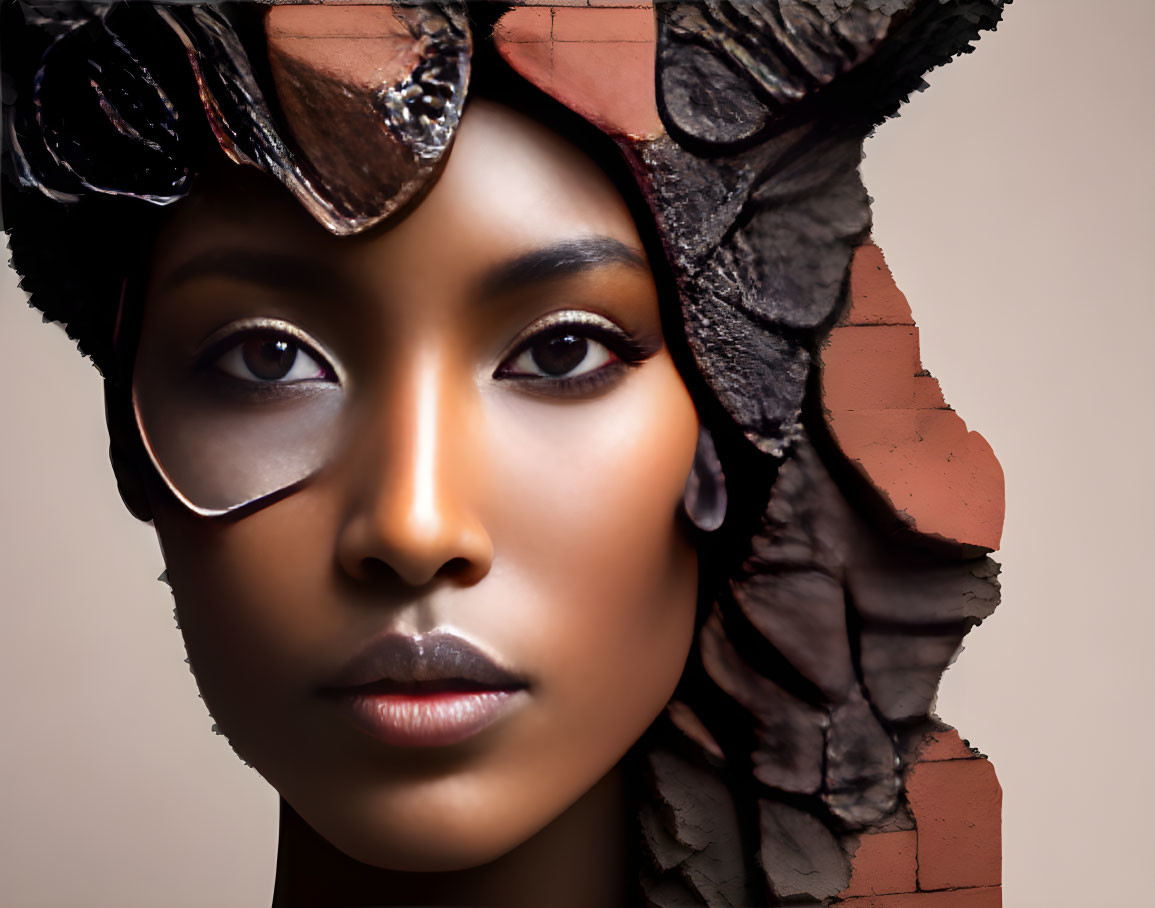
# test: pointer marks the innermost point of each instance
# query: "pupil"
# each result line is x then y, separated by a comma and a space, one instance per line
269, 359
561, 354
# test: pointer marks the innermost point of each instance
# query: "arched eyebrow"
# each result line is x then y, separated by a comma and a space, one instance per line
302, 274
560, 260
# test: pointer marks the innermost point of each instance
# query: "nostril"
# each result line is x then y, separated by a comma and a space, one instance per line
455, 569
375, 570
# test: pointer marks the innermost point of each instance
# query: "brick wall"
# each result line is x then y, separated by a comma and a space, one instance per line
950, 856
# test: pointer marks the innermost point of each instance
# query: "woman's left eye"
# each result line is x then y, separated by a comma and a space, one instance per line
271, 358
573, 353
559, 354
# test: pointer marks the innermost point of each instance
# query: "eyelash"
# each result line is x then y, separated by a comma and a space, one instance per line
233, 338
627, 353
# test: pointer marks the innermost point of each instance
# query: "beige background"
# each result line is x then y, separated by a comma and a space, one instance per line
1014, 204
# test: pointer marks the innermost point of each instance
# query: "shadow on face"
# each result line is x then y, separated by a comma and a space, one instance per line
460, 430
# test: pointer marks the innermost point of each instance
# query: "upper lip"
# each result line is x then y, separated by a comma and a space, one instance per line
421, 661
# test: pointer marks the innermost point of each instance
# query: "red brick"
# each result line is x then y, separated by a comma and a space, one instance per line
957, 808
943, 745
590, 3
356, 45
870, 367
984, 897
597, 62
889, 417
883, 863
928, 393
359, 21
611, 84
530, 25
620, 24
874, 297
940, 478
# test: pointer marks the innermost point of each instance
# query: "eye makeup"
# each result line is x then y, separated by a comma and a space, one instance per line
254, 409
573, 353
263, 359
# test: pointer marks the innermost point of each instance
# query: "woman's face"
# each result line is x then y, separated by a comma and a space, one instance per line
507, 474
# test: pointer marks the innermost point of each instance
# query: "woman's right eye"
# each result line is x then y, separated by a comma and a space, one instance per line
272, 358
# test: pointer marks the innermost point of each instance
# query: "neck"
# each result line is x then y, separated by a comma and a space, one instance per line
578, 860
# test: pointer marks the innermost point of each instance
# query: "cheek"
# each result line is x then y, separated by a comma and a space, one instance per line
256, 608
605, 576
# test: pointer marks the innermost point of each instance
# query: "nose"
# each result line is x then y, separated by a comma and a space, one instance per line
412, 512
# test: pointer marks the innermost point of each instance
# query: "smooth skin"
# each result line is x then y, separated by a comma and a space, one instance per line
537, 517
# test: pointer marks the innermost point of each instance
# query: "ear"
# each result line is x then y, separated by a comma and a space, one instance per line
129, 460
705, 499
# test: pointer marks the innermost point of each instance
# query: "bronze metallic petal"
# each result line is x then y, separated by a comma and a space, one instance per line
371, 97
371, 94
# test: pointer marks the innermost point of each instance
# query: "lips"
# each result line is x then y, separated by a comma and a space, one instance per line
429, 690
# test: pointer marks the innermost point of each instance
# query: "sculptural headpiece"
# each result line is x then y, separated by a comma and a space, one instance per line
742, 123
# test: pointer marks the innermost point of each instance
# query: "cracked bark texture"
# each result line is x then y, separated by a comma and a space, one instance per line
822, 653
820, 662
755, 183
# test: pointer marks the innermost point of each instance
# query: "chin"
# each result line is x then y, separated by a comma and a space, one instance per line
444, 839
436, 858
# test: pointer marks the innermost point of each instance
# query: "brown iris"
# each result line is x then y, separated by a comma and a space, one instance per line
559, 354
269, 358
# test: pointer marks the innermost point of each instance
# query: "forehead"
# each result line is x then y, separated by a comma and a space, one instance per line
509, 184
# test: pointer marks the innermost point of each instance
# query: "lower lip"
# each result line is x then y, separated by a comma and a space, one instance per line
429, 720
